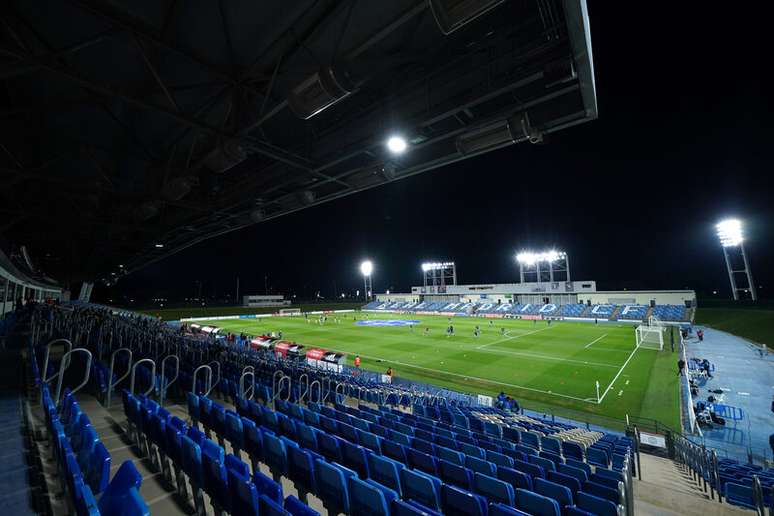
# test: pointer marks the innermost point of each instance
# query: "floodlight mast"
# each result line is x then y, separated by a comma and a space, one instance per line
732, 240
543, 266
437, 276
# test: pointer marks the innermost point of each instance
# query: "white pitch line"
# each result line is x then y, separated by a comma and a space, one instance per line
617, 375
486, 380
546, 357
483, 346
595, 340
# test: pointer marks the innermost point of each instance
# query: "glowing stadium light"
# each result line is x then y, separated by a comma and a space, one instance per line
530, 258
434, 266
388, 292
730, 232
159, 246
366, 268
397, 144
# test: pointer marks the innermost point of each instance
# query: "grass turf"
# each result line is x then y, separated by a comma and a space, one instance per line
752, 324
546, 367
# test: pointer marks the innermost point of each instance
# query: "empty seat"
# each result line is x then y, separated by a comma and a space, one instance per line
480, 465
410, 508
385, 471
598, 457
394, 451
544, 463
275, 455
574, 472
533, 470
499, 459
472, 451
122, 494
244, 495
595, 505
494, 489
535, 504
558, 492
266, 486
499, 509
422, 461
332, 487
602, 491
329, 447
253, 440
571, 483
517, 479
355, 457
235, 431
421, 487
297, 508
214, 474
458, 502
450, 455
366, 500
455, 474
572, 450
552, 445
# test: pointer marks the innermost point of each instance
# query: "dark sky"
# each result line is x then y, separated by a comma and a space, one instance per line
684, 138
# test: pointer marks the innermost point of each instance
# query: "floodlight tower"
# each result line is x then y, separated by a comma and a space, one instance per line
437, 275
366, 268
554, 263
732, 240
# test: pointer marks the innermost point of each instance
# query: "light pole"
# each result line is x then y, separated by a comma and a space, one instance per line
366, 268
732, 240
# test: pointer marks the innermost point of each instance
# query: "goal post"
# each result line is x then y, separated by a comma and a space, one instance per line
650, 337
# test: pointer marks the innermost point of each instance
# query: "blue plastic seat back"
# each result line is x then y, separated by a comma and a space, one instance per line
332, 487
297, 508
494, 489
530, 439
421, 487
385, 471
275, 453
499, 459
193, 406
533, 470
394, 451
287, 426
192, 460
307, 436
370, 441
422, 461
301, 468
348, 432
196, 435
99, 470
269, 419
602, 491
579, 464
235, 429
330, 425
410, 508
158, 431
253, 439
558, 492
597, 457
244, 495
552, 445
424, 446
517, 479
571, 483
366, 500
267, 486
455, 474
534, 503
400, 438
119, 490
175, 429
215, 480
472, 451
544, 463
574, 472
499, 509
459, 502
450, 455
268, 507
595, 505
355, 457
329, 447
480, 465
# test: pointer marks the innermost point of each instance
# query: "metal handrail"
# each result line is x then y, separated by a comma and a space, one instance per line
319, 391
217, 381
69, 346
275, 379
303, 393
247, 371
111, 383
209, 379
153, 375
164, 385
336, 392
279, 390
63, 367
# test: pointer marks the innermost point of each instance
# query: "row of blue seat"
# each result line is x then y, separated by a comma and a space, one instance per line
302, 451
191, 454
84, 463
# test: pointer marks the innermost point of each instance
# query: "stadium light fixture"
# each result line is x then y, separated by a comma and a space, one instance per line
366, 268
397, 144
530, 258
434, 266
159, 246
730, 232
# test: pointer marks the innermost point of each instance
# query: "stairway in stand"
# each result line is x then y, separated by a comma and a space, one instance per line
666, 489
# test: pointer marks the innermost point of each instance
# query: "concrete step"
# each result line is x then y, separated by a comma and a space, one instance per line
667, 489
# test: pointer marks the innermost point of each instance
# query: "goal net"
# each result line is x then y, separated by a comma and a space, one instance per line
651, 336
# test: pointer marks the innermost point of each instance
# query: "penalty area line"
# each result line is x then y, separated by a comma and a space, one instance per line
595, 340
484, 346
617, 375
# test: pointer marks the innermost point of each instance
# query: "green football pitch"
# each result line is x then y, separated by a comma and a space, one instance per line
552, 368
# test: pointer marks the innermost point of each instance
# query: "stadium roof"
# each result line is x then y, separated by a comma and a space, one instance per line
132, 130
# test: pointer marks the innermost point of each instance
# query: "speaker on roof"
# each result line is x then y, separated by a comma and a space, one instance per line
450, 15
319, 92
225, 157
499, 134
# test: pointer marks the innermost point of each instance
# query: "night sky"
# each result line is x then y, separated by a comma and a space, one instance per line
683, 139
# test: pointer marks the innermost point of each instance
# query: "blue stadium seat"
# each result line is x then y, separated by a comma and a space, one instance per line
456, 475
355, 457
244, 495
215, 479
533, 470
535, 504
266, 486
235, 431
558, 492
424, 446
301, 470
253, 442
595, 505
422, 461
307, 436
458, 502
499, 509
546, 464
193, 408
552, 445
386, 471
366, 500
572, 450
571, 483
122, 494
602, 491
297, 508
371, 441
499, 459
404, 508
450, 455
268, 507
394, 451
494, 489
329, 447
517, 479
399, 438
480, 465
422, 488
574, 472
98, 473
472, 451
275, 455
598, 457
192, 466
332, 487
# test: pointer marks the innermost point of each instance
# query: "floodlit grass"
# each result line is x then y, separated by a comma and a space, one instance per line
752, 324
547, 367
